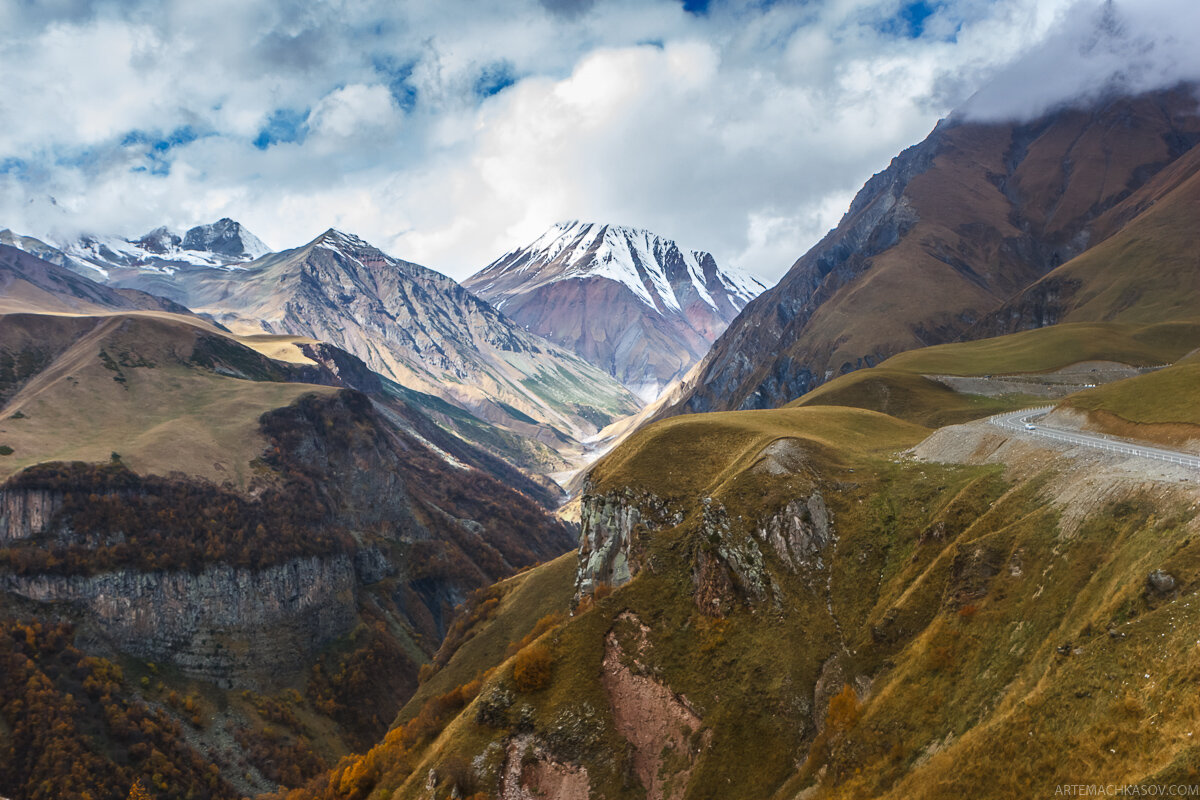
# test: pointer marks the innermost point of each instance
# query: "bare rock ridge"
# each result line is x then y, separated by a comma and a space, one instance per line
632, 303
951, 230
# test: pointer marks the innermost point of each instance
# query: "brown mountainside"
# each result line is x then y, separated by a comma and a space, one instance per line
955, 227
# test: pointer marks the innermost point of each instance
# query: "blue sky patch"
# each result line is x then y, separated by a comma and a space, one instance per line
910, 20
17, 167
160, 142
158, 146
396, 74
494, 79
284, 125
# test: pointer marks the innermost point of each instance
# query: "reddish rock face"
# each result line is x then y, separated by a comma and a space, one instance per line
625, 300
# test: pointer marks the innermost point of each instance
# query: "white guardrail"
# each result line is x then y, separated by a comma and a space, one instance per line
1023, 422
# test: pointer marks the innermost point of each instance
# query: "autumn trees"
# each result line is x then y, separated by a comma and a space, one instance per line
75, 729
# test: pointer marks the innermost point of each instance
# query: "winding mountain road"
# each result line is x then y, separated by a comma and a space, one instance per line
1025, 422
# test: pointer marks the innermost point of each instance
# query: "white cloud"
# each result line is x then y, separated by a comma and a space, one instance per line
449, 136
355, 112
1128, 47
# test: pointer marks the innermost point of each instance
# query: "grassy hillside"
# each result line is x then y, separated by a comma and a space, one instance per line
945, 621
901, 386
137, 386
689, 456
489, 624
1046, 349
906, 395
1160, 406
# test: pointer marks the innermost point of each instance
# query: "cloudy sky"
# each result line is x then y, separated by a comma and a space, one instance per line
450, 132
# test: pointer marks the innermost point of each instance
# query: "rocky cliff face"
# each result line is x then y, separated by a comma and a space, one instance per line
235, 589
26, 512
609, 526
952, 229
225, 625
799, 532
730, 566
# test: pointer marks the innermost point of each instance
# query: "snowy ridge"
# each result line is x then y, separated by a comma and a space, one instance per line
334, 239
636, 258
739, 283
223, 244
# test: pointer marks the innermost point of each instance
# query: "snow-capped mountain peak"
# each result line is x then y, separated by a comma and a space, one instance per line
655, 269
225, 237
632, 303
224, 243
340, 240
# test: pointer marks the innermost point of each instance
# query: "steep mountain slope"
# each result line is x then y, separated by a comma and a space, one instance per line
1148, 269
950, 231
212, 520
784, 603
625, 300
410, 324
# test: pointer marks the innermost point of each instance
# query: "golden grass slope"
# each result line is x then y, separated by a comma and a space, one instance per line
125, 386
903, 387
1161, 406
698, 454
1055, 347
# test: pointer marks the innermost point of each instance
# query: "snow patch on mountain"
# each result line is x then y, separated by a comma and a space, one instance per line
223, 244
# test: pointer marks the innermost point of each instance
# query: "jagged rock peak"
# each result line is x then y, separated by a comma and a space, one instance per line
338, 240
226, 237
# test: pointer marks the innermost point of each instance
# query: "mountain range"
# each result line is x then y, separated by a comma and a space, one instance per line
411, 324
624, 299
222, 243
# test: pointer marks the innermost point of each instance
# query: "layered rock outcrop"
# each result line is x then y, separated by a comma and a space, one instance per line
226, 625
26, 512
799, 532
